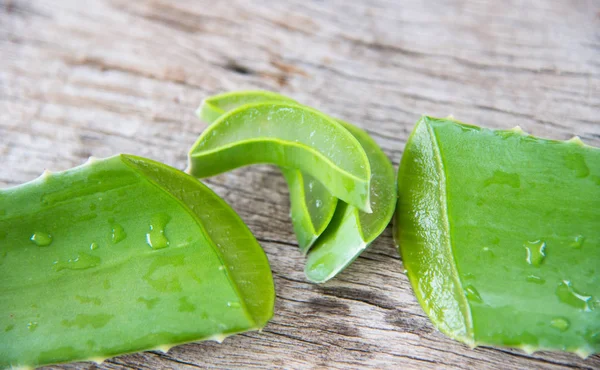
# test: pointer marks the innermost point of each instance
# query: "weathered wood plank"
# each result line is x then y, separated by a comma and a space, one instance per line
97, 78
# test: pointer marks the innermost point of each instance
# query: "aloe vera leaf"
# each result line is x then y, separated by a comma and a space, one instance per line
352, 231
500, 234
215, 106
121, 255
311, 205
287, 135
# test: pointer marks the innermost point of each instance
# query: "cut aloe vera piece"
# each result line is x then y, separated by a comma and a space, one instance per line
287, 135
311, 205
352, 231
500, 234
121, 255
215, 106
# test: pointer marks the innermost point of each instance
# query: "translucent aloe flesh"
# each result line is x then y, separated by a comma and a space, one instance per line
500, 234
288, 135
311, 205
120, 255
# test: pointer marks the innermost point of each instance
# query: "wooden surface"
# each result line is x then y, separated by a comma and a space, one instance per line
81, 78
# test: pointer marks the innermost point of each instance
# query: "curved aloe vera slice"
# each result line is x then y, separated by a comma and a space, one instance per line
311, 205
120, 255
215, 106
288, 135
500, 234
351, 231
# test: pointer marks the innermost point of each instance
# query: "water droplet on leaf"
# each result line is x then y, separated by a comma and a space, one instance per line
472, 294
560, 323
535, 279
536, 252
156, 237
83, 261
118, 233
41, 239
567, 294
577, 242
32, 325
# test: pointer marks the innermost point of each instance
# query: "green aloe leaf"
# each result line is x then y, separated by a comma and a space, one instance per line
215, 106
288, 135
311, 205
500, 234
121, 255
352, 231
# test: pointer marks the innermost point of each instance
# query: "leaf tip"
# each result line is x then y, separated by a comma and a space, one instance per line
528, 349
198, 111
97, 360
92, 160
583, 352
576, 140
518, 130
164, 348
219, 338
46, 174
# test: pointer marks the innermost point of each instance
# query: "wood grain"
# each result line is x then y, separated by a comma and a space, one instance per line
102, 77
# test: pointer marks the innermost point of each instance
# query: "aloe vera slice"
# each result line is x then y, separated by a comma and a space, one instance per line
215, 106
352, 231
311, 205
500, 234
288, 135
121, 255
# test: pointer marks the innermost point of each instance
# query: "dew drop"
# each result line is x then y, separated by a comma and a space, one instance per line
472, 294
83, 261
156, 237
318, 203
233, 304
118, 233
535, 279
41, 239
536, 252
94, 246
221, 268
567, 294
32, 325
560, 323
577, 242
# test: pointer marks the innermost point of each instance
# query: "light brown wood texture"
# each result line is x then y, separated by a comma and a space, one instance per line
81, 78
